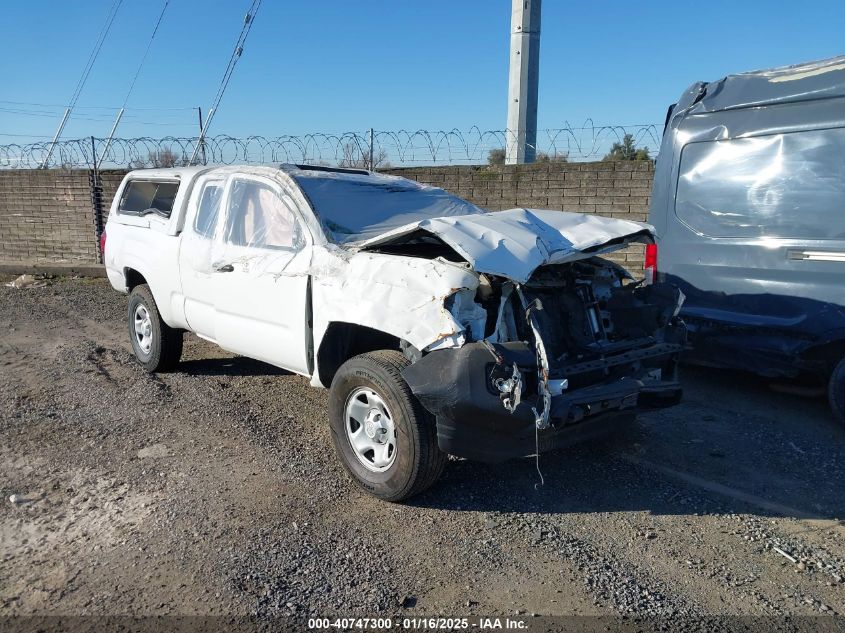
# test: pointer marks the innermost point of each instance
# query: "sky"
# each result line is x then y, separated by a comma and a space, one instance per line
348, 65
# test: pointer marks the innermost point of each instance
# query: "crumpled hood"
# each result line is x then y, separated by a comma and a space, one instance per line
515, 242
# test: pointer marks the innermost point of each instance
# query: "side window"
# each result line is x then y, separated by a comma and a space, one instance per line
209, 208
781, 185
141, 197
258, 217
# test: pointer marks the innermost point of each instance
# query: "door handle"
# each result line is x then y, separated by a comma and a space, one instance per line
225, 268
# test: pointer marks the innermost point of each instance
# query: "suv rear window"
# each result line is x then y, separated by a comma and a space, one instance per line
141, 197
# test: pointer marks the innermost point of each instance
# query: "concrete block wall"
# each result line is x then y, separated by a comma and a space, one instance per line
46, 215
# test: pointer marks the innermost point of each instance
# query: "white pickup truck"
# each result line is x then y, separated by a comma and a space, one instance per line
438, 328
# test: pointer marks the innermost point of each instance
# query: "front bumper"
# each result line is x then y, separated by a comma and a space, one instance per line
455, 385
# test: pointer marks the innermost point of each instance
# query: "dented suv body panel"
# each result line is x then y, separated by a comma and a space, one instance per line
749, 208
516, 330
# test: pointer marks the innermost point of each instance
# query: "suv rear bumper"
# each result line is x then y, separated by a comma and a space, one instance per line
472, 421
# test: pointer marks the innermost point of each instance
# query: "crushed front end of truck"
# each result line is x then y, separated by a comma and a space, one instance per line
566, 355
558, 344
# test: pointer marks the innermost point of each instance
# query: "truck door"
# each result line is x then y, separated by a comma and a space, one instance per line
195, 255
260, 275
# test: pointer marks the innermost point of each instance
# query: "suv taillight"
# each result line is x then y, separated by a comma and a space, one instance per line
103, 245
650, 266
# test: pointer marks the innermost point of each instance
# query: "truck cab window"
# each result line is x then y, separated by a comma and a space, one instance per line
259, 217
208, 209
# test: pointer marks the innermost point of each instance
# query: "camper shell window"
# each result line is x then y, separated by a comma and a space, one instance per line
141, 197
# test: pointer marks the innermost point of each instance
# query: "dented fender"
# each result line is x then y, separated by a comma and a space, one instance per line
405, 297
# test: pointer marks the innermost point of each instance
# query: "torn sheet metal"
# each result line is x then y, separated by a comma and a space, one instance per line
541, 417
821, 79
510, 389
516, 242
402, 296
468, 313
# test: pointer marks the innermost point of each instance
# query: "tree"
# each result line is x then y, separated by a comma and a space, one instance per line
627, 150
166, 158
161, 158
496, 156
358, 158
543, 157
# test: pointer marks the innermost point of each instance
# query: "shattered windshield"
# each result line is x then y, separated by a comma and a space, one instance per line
355, 207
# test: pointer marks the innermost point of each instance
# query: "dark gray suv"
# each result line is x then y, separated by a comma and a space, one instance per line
749, 208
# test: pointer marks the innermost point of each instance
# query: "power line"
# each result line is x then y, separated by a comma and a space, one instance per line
50, 115
238, 50
95, 116
85, 73
95, 52
134, 80
96, 119
146, 52
25, 135
249, 19
81, 107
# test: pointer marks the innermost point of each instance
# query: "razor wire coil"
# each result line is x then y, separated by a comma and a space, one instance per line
400, 148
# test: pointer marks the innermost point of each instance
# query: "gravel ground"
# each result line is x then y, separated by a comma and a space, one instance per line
214, 490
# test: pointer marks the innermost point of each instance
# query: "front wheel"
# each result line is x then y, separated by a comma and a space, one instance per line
384, 437
836, 392
157, 346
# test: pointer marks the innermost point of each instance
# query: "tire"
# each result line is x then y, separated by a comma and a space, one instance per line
836, 392
386, 407
159, 347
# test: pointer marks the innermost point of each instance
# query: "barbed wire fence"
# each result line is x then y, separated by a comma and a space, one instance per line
380, 148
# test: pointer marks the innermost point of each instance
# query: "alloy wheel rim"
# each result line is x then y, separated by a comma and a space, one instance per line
370, 429
143, 328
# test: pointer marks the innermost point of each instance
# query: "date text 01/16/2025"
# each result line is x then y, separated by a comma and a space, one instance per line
416, 624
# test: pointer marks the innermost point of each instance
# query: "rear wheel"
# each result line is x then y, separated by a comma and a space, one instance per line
836, 392
157, 346
384, 437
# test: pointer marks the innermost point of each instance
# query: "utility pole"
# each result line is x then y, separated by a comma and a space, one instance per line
523, 80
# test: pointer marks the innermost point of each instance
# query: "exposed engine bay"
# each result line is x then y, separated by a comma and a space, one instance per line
547, 336
576, 340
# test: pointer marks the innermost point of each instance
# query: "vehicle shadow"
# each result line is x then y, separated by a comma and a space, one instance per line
231, 366
733, 445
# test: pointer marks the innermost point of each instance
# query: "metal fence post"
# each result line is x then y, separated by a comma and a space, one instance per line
46, 161
96, 186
